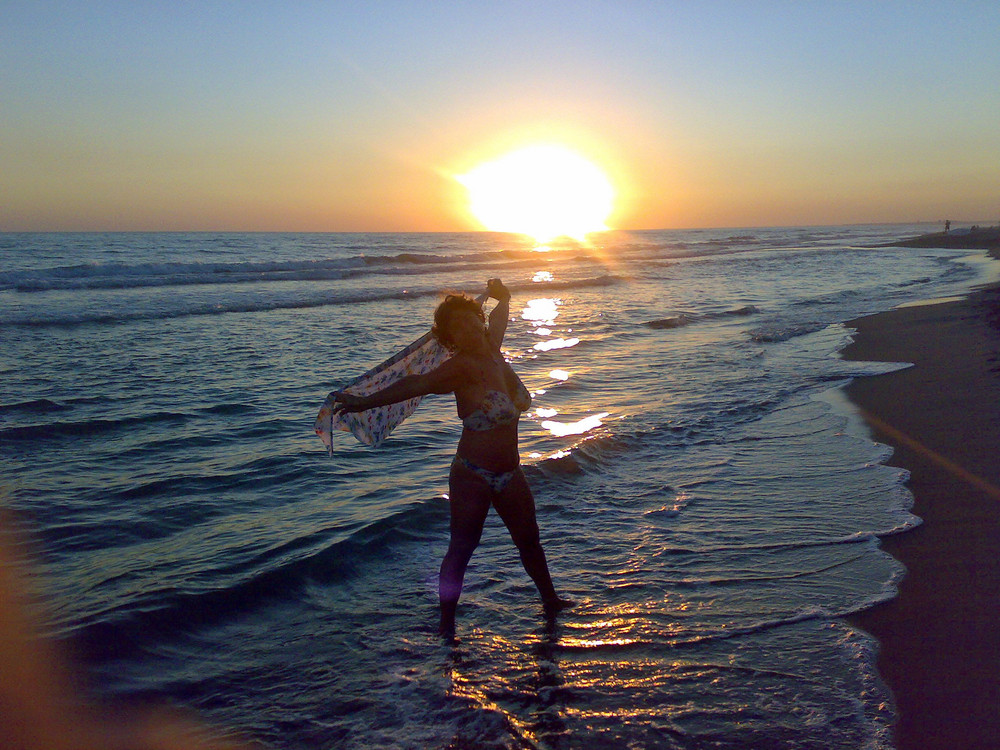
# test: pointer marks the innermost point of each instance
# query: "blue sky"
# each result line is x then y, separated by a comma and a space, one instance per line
352, 116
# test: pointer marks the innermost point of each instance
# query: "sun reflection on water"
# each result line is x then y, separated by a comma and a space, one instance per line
562, 429
543, 310
545, 346
597, 643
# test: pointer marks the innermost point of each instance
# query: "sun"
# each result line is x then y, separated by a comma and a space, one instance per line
545, 191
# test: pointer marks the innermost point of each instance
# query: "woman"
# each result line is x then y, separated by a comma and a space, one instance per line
486, 470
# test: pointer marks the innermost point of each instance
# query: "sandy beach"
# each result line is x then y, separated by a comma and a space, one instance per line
940, 640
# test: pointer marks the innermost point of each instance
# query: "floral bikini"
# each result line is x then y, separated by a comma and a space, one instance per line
497, 409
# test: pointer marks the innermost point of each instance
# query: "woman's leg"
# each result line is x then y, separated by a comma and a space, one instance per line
516, 506
470, 503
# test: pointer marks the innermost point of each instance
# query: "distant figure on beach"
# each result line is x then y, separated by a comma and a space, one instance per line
486, 470
947, 226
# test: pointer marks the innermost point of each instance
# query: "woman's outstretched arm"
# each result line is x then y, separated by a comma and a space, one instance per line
440, 380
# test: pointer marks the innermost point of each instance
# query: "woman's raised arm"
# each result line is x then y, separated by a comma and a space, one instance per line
500, 314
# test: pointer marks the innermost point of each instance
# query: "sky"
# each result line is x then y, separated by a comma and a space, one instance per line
357, 116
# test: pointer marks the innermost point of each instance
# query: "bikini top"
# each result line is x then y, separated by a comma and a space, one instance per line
498, 409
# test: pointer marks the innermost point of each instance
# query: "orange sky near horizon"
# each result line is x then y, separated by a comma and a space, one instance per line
357, 117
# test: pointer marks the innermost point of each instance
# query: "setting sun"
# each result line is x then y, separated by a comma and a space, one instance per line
545, 191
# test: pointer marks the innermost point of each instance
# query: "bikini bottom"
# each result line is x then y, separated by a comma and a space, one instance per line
495, 480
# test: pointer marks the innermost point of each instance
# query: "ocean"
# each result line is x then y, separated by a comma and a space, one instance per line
705, 494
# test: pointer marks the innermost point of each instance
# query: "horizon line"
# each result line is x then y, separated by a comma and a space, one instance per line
482, 231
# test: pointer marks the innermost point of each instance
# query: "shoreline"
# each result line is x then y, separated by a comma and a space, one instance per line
939, 639
973, 238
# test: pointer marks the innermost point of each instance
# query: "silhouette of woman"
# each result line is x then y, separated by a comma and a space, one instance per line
486, 470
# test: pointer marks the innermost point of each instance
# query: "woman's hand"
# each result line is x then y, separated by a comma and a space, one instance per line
497, 290
347, 402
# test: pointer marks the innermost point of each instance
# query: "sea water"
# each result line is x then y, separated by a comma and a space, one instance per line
703, 496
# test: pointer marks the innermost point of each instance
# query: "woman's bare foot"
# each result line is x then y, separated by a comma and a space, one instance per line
447, 635
557, 605
446, 628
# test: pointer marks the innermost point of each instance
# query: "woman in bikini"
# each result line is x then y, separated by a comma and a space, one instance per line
486, 470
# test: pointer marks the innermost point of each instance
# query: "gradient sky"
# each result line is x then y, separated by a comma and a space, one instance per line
352, 116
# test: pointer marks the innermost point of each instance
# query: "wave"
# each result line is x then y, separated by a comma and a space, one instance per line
646, 641
270, 577
777, 333
59, 430
356, 262
172, 306
124, 276
88, 427
684, 319
650, 637
675, 322
140, 275
857, 537
37, 406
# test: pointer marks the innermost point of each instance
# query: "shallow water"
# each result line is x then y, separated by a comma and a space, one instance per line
711, 512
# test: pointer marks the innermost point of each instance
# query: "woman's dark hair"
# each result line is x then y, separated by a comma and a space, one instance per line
452, 304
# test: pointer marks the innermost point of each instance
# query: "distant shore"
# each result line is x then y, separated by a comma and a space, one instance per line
940, 638
967, 238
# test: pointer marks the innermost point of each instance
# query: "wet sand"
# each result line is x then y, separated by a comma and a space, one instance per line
940, 638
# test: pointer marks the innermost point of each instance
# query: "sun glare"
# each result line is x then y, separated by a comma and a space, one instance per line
545, 191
